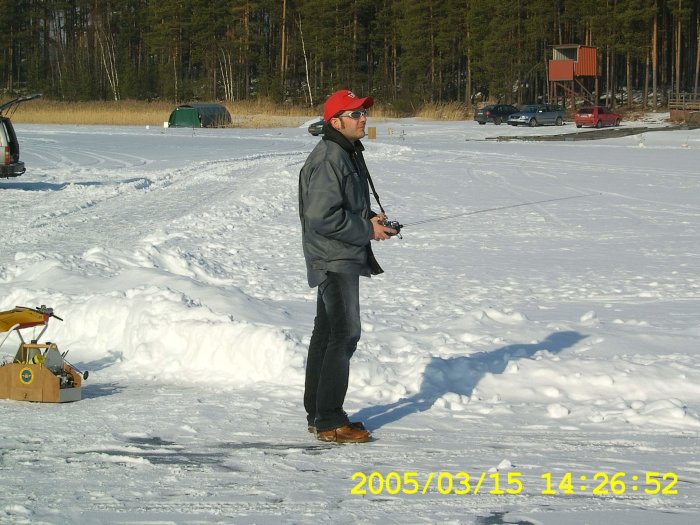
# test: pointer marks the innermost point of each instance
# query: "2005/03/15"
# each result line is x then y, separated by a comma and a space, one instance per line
461, 483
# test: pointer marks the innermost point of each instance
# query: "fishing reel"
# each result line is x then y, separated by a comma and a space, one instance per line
394, 225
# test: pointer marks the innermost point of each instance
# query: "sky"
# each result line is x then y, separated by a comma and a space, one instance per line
521, 361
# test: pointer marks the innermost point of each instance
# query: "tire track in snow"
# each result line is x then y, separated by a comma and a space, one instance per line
97, 206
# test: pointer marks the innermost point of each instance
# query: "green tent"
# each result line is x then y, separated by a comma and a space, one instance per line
199, 116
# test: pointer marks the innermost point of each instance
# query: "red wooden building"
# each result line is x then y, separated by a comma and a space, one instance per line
570, 73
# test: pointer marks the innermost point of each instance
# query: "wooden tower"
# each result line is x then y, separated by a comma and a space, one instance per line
569, 72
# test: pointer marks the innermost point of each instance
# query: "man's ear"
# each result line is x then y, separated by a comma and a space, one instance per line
335, 122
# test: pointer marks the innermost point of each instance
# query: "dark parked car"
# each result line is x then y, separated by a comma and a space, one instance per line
538, 115
316, 128
495, 113
10, 165
596, 116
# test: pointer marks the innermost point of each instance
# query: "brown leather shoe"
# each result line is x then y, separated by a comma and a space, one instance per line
344, 434
354, 424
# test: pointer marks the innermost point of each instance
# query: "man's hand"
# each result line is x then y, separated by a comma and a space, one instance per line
379, 232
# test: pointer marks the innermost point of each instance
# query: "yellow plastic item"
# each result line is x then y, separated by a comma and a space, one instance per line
22, 317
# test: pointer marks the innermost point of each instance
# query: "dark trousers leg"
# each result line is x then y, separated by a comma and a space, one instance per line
333, 341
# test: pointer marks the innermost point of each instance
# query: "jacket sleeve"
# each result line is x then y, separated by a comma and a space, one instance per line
325, 208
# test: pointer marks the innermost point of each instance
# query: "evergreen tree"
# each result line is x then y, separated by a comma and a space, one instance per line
168, 24
405, 53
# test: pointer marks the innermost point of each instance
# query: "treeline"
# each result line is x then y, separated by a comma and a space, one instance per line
404, 52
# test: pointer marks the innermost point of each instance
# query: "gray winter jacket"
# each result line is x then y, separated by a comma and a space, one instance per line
334, 209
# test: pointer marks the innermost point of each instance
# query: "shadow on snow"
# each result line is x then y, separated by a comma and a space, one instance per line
138, 182
460, 375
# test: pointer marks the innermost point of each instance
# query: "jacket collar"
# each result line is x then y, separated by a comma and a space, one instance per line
332, 134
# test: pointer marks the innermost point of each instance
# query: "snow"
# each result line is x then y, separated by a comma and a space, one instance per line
520, 343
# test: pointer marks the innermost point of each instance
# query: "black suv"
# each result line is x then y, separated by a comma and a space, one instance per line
10, 165
495, 113
316, 128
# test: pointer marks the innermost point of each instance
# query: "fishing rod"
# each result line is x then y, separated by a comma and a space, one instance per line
398, 226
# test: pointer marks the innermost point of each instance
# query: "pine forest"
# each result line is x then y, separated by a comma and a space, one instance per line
406, 53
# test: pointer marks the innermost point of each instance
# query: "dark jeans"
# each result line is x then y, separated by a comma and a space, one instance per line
334, 339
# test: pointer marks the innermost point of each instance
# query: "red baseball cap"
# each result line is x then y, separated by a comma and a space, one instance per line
344, 100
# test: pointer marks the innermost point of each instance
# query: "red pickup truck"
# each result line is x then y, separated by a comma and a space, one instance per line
596, 116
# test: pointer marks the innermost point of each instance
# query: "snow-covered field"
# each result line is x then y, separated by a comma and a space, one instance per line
548, 346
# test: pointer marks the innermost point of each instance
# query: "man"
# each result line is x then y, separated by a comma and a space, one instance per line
337, 227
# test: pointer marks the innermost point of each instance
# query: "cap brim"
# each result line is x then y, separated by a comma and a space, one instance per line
366, 103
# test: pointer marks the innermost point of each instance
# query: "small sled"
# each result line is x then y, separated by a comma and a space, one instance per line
39, 372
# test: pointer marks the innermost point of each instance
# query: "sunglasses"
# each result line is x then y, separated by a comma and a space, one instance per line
357, 114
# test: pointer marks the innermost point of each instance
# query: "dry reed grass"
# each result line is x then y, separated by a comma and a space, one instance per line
246, 114
128, 112
443, 111
259, 114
